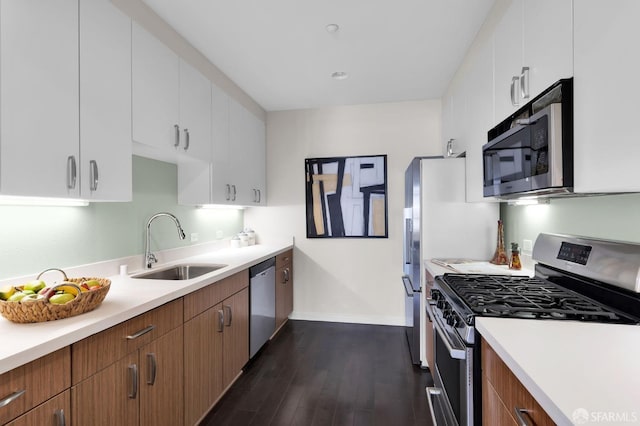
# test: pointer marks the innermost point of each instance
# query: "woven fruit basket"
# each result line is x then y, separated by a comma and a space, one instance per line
42, 310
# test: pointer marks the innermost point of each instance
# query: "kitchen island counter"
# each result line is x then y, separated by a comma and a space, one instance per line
580, 373
127, 298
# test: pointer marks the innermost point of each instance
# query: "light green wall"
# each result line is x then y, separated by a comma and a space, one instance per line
36, 238
614, 217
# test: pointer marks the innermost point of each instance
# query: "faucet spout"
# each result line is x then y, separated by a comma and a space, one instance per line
149, 257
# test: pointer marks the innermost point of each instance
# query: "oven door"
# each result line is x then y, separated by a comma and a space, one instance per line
452, 399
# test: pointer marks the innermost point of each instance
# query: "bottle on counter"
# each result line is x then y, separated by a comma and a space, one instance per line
515, 263
500, 256
252, 235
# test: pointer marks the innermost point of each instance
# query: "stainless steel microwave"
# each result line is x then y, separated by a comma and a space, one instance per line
531, 152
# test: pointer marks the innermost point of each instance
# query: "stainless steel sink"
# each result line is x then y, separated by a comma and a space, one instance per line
179, 272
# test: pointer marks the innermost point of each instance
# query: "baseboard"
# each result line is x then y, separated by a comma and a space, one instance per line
355, 319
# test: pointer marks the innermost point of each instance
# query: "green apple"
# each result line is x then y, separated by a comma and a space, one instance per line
61, 299
16, 297
32, 298
35, 285
28, 292
7, 292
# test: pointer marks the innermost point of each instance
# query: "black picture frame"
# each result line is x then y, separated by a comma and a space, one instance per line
346, 197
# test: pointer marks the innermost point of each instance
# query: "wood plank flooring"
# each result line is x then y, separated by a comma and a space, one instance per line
329, 374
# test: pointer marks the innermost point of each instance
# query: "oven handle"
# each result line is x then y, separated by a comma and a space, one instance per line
430, 304
454, 350
433, 393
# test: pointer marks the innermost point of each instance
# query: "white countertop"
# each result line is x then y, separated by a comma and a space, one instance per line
477, 267
572, 368
127, 298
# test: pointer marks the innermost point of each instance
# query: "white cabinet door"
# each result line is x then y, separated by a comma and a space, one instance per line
194, 152
105, 102
222, 170
39, 97
155, 86
247, 138
606, 148
507, 45
548, 42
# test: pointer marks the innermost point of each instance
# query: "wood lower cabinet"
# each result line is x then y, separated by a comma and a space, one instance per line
131, 373
216, 342
284, 287
25, 387
503, 395
53, 412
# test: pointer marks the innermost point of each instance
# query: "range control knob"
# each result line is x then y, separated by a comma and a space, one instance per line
453, 319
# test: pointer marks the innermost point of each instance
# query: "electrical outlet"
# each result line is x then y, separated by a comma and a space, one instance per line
219, 234
194, 237
527, 246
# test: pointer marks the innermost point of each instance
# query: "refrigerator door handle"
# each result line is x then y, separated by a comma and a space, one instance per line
408, 230
408, 288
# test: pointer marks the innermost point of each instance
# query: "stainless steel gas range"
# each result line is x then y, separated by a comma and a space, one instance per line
576, 279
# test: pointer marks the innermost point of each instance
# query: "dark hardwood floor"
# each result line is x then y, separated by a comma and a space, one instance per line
319, 373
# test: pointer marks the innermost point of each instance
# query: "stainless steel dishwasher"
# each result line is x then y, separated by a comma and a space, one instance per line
262, 289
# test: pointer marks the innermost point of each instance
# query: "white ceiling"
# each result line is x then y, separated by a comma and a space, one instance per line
280, 54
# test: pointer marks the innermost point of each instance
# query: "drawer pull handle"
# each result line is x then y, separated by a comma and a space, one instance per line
220, 320
522, 415
230, 317
286, 275
59, 415
9, 399
153, 365
141, 332
133, 376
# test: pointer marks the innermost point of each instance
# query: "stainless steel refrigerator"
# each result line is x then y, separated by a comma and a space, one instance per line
438, 223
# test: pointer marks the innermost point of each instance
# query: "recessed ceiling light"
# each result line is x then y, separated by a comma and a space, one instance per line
339, 75
332, 28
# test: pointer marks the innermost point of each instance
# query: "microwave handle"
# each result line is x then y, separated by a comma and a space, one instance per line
514, 81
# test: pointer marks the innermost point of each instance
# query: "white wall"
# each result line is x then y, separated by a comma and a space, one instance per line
346, 280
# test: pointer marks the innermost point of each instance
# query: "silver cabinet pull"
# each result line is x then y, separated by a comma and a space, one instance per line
72, 172
186, 139
133, 381
141, 332
227, 308
93, 175
9, 399
514, 81
228, 192
59, 416
220, 320
522, 415
233, 187
255, 195
176, 142
524, 83
450, 147
153, 365
259, 195
286, 275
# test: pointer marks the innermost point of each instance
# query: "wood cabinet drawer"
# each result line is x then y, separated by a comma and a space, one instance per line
203, 299
40, 380
284, 259
54, 411
508, 389
102, 349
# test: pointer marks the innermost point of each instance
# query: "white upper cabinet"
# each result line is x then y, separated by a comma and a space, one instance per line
533, 48
39, 138
194, 151
606, 148
105, 102
222, 170
156, 94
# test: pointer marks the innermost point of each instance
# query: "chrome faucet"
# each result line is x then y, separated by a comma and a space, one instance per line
150, 258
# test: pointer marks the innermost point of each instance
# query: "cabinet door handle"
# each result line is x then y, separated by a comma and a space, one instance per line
286, 275
259, 195
522, 415
186, 139
141, 332
227, 308
153, 365
524, 83
9, 399
228, 192
176, 141
450, 147
255, 195
220, 320
59, 415
72, 172
93, 175
514, 81
233, 187
133, 381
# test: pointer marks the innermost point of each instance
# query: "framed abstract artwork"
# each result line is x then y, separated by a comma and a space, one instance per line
346, 197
